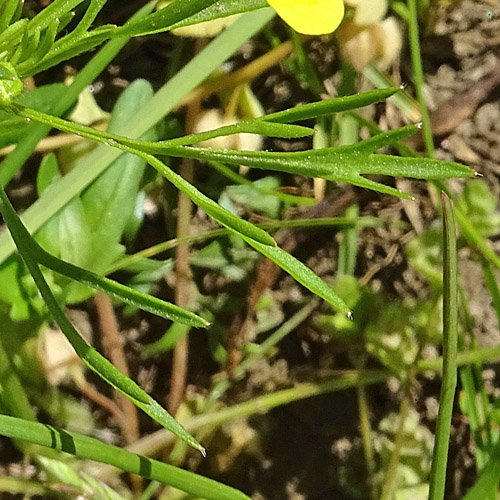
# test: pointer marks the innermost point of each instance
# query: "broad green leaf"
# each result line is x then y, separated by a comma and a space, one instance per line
13, 293
109, 201
87, 447
259, 198
66, 235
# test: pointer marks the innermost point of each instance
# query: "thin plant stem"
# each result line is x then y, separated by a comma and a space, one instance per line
183, 282
391, 476
182, 293
113, 347
215, 233
153, 443
366, 436
91, 393
418, 75
450, 340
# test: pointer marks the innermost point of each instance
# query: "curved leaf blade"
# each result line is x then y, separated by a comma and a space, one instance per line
300, 273
93, 449
91, 357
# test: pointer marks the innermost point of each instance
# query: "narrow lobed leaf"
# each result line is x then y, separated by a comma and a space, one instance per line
8, 10
212, 208
301, 273
222, 8
124, 293
162, 20
329, 106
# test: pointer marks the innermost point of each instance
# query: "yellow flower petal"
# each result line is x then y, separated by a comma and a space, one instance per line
310, 17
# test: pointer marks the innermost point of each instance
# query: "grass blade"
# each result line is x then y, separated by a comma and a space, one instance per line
450, 340
86, 447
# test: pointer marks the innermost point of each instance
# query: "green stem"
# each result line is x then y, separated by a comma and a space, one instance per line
418, 75
450, 339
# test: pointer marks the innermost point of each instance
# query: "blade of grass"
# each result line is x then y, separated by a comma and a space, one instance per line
450, 339
87, 447
156, 441
474, 399
418, 75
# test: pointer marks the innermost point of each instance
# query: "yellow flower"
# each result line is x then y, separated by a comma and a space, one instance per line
310, 17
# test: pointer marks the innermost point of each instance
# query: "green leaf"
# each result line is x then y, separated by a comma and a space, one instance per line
213, 209
330, 106
30, 252
488, 480
86, 447
65, 235
168, 17
156, 22
450, 345
13, 291
107, 201
13, 129
10, 84
162, 103
258, 199
8, 11
222, 8
301, 273
343, 164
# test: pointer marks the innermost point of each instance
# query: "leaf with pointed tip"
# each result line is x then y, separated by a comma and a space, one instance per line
330, 106
301, 273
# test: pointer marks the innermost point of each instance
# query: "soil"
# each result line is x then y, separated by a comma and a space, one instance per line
311, 449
